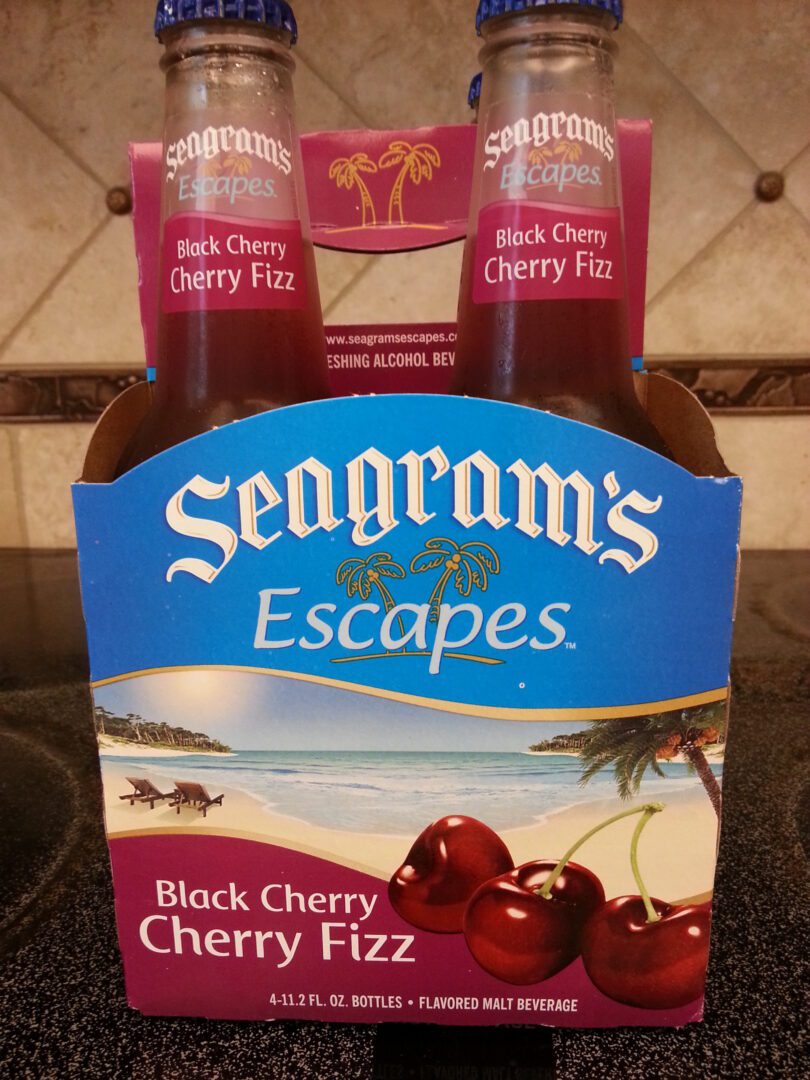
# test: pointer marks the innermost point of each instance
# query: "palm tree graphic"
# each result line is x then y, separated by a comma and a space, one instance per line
347, 173
416, 163
567, 151
468, 566
360, 576
237, 164
539, 156
633, 745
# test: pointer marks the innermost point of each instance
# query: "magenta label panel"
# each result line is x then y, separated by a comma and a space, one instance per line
543, 251
216, 263
234, 929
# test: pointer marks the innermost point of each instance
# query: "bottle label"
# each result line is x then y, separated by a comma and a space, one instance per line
549, 223
539, 251
220, 263
232, 235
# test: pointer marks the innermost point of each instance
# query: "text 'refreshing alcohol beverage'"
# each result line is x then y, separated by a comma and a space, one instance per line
240, 326
542, 315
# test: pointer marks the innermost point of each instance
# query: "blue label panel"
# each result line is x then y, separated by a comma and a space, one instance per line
482, 555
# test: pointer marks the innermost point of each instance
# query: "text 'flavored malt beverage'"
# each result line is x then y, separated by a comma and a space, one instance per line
240, 327
542, 315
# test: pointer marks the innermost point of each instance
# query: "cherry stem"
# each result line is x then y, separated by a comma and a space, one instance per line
652, 914
648, 809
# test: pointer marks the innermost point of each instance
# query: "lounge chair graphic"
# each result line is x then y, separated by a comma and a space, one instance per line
145, 791
194, 795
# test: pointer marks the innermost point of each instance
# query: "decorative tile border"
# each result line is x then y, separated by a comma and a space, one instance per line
742, 385
60, 396
722, 384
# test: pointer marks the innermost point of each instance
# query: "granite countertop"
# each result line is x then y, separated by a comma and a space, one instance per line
61, 988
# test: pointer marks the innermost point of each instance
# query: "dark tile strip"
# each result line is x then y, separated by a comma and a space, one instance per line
722, 385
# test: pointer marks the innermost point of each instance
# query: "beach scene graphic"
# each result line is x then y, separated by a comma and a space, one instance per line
353, 779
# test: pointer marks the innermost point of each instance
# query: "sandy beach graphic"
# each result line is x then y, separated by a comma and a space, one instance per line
685, 832
341, 776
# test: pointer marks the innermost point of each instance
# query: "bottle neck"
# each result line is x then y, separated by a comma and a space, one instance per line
230, 141
547, 109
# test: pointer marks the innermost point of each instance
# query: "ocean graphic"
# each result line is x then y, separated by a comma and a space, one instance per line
401, 792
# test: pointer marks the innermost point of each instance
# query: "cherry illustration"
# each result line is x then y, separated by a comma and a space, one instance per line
641, 951
526, 925
446, 864
521, 929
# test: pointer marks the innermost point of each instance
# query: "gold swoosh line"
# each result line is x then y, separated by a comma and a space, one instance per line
492, 712
418, 652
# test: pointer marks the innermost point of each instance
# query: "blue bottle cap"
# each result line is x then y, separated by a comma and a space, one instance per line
490, 9
275, 13
474, 93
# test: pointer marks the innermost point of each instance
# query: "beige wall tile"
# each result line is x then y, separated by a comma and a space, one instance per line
690, 203
104, 86
48, 208
772, 454
336, 270
797, 183
101, 85
50, 458
416, 286
746, 295
91, 318
317, 106
12, 530
747, 63
397, 64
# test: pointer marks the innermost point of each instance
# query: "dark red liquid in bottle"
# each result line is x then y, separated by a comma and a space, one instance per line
570, 357
222, 366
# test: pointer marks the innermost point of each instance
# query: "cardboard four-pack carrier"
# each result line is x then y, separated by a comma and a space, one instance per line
359, 664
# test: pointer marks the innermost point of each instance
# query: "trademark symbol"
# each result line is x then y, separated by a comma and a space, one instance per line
570, 644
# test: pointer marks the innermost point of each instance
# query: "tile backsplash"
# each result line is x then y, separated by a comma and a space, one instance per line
724, 83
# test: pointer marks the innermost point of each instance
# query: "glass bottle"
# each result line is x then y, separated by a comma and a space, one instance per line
240, 324
542, 317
